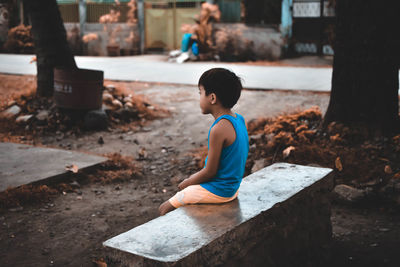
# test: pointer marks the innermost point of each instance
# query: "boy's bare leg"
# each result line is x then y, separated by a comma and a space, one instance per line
165, 208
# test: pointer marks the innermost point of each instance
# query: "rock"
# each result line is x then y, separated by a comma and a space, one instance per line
23, 118
347, 193
269, 137
43, 115
11, 112
127, 99
75, 184
128, 105
108, 98
110, 88
16, 209
252, 148
11, 103
117, 104
96, 120
126, 114
391, 188
258, 165
107, 107
255, 138
100, 141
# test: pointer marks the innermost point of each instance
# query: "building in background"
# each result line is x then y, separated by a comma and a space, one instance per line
274, 28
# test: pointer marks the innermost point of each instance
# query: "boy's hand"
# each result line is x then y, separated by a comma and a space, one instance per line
185, 183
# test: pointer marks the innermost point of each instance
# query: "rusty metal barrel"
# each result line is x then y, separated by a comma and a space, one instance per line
78, 88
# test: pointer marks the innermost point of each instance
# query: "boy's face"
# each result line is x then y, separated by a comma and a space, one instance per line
205, 101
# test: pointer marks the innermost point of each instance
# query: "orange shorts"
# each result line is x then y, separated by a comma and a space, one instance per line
196, 194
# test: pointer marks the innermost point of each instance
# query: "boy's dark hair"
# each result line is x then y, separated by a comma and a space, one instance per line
224, 83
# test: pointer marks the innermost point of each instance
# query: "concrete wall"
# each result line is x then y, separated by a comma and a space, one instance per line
293, 232
98, 47
4, 19
236, 41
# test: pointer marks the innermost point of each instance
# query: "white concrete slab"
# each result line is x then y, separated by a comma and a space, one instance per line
181, 232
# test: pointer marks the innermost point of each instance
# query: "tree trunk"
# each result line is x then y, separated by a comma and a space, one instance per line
50, 39
365, 79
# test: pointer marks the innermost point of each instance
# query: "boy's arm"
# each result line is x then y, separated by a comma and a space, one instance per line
217, 139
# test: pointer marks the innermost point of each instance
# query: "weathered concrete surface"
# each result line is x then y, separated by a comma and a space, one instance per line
24, 164
278, 204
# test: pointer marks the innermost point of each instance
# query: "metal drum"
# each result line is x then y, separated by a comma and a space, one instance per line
78, 88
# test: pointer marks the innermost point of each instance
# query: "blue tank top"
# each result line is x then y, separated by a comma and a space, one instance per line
232, 162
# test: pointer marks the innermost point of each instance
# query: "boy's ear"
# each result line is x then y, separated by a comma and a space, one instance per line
213, 98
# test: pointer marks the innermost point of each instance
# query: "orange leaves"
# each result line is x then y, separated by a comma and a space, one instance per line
388, 169
286, 152
338, 164
72, 168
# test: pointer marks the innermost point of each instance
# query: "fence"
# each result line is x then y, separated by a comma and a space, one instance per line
162, 18
313, 26
94, 10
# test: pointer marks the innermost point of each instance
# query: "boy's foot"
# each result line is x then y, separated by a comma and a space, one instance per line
183, 57
165, 208
175, 53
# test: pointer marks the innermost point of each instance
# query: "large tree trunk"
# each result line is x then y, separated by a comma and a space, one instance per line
365, 68
50, 41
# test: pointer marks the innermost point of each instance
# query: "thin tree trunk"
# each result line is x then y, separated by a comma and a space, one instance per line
50, 41
365, 79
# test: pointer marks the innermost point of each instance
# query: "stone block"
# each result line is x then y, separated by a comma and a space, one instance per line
282, 213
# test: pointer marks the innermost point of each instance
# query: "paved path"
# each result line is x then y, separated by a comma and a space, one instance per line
155, 68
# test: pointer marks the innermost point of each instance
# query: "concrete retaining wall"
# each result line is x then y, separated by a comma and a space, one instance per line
236, 41
296, 231
98, 47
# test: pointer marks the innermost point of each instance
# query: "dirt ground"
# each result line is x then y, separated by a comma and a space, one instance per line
68, 230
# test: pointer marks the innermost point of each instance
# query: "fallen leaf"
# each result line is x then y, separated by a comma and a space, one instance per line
72, 168
338, 164
100, 263
335, 138
142, 153
388, 170
287, 151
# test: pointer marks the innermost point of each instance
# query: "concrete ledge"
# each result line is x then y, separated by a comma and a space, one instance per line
272, 204
24, 164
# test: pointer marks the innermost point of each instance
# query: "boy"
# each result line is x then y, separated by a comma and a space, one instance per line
228, 145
